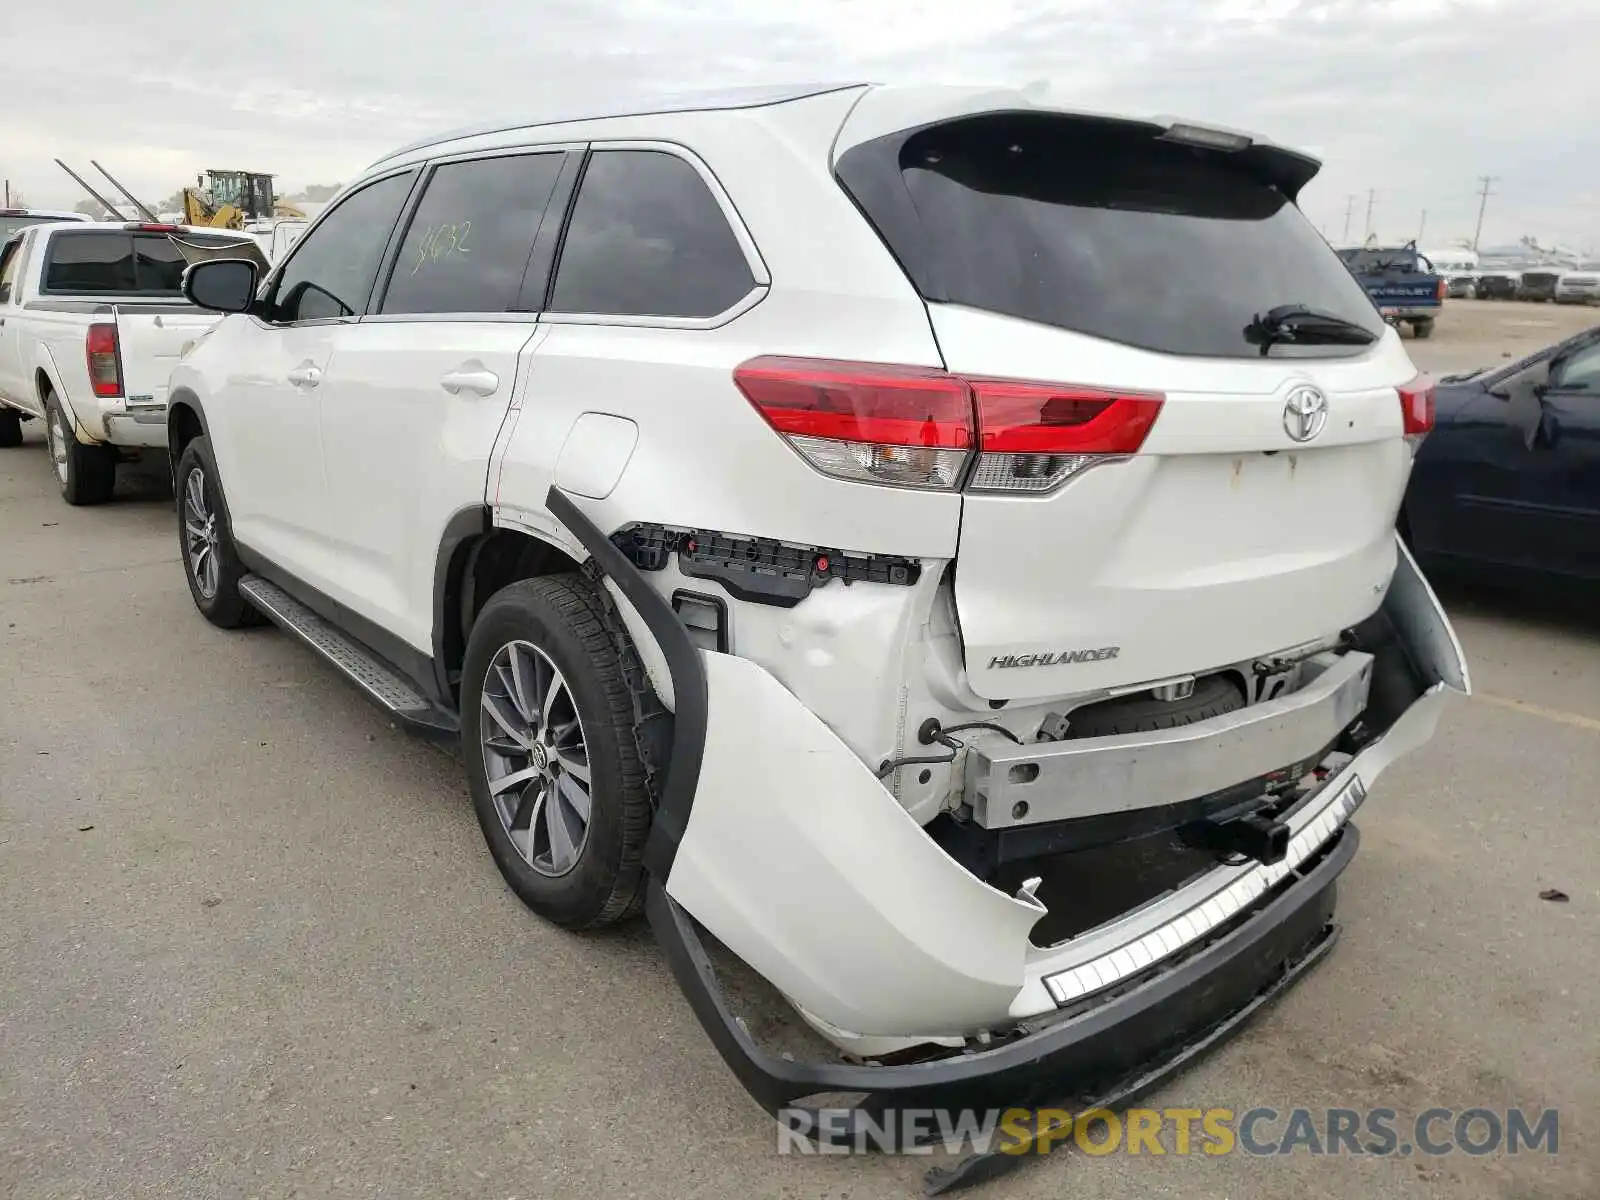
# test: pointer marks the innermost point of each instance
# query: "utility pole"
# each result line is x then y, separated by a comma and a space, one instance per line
1422, 225
7, 204
1349, 207
1372, 194
1483, 202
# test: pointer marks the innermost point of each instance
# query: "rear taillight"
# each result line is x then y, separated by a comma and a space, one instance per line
1416, 407
906, 426
1441, 290
105, 364
917, 426
1033, 436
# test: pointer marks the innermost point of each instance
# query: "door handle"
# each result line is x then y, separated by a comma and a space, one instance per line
471, 377
306, 375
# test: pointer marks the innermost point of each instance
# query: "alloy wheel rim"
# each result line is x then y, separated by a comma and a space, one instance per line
57, 437
536, 758
200, 534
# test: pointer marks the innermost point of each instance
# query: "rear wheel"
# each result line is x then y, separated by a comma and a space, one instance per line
1422, 329
10, 427
85, 473
547, 728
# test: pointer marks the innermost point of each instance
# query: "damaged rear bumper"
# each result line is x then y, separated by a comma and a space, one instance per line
774, 838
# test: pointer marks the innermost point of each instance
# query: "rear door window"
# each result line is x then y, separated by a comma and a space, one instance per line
648, 239
471, 236
1102, 229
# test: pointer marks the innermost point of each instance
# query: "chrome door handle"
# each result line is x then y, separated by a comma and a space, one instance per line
306, 375
478, 380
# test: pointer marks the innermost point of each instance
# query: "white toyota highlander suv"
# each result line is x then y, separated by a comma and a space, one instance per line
939, 547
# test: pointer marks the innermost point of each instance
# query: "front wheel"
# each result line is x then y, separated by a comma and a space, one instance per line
547, 729
210, 563
85, 473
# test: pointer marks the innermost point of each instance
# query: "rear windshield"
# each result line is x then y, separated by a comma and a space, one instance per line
124, 264
1382, 262
10, 224
1104, 230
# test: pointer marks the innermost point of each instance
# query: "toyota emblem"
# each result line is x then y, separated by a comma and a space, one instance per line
1305, 413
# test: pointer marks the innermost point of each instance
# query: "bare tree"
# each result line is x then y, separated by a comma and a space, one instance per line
94, 210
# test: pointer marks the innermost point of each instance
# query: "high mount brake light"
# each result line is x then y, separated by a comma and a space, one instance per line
105, 362
151, 227
1417, 407
918, 426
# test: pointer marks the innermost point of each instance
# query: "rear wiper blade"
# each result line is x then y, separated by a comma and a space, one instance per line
1301, 325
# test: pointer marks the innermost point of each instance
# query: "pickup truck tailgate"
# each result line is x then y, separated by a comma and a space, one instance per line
151, 339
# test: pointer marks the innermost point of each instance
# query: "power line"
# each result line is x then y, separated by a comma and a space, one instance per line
1483, 202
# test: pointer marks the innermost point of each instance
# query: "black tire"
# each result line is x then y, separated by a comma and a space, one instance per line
1213, 696
562, 617
217, 597
86, 474
10, 427
1422, 329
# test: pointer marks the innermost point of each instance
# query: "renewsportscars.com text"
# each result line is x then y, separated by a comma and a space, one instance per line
1379, 1132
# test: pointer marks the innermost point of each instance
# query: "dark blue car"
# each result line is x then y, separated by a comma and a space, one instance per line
1510, 475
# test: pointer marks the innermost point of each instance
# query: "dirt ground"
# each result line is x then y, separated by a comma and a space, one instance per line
1481, 333
251, 944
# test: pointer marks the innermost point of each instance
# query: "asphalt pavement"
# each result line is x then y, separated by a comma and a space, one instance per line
251, 944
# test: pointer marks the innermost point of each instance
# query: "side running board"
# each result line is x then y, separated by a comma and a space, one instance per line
381, 682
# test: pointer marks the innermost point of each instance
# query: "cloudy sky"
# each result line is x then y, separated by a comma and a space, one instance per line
1413, 98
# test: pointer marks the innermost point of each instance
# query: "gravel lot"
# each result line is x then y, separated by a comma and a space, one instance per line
251, 943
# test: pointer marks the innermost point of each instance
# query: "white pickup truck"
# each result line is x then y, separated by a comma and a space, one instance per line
92, 320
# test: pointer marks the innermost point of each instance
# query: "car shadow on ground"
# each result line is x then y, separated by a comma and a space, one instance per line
1555, 605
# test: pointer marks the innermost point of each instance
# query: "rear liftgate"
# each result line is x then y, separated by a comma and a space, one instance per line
725, 843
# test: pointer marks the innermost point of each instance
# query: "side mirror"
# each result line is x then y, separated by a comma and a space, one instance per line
226, 285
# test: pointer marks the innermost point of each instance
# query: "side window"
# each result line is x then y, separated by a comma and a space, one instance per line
1579, 371
470, 238
333, 268
10, 262
648, 239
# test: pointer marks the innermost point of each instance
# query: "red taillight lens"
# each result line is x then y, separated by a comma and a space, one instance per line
105, 364
1017, 417
1035, 436
1443, 289
1416, 406
915, 426
908, 426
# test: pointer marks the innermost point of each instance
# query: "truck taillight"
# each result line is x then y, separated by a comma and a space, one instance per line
1417, 408
1442, 290
918, 426
105, 363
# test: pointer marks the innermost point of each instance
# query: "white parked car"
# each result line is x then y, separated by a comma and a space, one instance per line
938, 546
1579, 286
92, 319
13, 220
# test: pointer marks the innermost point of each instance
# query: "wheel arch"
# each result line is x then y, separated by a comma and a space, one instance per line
186, 420
475, 559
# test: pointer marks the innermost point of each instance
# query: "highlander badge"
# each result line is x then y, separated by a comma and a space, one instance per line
1052, 658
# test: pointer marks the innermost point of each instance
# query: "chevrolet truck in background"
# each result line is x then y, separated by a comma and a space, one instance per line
1401, 282
92, 320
